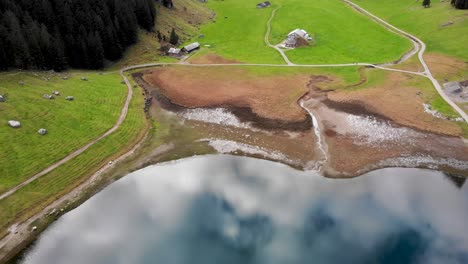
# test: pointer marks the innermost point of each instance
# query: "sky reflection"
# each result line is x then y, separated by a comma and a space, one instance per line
225, 209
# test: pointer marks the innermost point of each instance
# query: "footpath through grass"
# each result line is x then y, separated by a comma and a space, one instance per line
342, 34
32, 197
70, 124
426, 23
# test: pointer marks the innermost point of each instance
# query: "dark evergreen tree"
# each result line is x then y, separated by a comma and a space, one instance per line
174, 38
426, 3
460, 4
54, 34
168, 3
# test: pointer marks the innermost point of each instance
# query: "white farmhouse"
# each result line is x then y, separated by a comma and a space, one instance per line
299, 33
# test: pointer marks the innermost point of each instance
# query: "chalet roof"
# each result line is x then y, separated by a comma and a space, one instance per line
300, 32
192, 46
174, 51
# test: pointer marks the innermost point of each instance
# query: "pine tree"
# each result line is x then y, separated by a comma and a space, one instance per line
174, 38
460, 4
426, 3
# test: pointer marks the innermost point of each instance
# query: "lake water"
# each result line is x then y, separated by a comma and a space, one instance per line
223, 209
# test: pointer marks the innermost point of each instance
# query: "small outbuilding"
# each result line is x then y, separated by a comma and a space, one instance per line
191, 47
264, 4
42, 131
14, 123
2, 98
69, 98
174, 52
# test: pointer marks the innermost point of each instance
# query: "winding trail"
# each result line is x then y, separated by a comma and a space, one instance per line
427, 72
267, 38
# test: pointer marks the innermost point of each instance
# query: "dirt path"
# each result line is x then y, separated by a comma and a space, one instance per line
267, 38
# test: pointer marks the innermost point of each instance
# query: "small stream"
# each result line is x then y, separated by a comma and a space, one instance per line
320, 141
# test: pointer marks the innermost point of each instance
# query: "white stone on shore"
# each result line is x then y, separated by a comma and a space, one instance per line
42, 131
14, 123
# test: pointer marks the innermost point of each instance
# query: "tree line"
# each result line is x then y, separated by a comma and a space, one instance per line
460, 4
56, 34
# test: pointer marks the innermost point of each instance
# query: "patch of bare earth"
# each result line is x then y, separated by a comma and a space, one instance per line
271, 99
445, 67
211, 58
394, 100
358, 140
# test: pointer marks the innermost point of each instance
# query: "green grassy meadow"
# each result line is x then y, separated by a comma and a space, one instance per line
29, 199
342, 35
426, 23
70, 124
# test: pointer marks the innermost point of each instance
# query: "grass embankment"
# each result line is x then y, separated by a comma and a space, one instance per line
70, 124
186, 18
34, 196
342, 35
426, 23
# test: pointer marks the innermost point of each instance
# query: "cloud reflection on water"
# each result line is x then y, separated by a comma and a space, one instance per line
224, 209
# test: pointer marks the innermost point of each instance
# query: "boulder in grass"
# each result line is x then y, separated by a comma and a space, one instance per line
21, 83
2, 98
14, 123
70, 98
84, 78
48, 96
56, 93
42, 131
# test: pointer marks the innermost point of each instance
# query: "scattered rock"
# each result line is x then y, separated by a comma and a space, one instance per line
65, 77
34, 228
42, 131
48, 96
453, 87
84, 78
56, 93
14, 123
446, 24
70, 98
21, 83
2, 98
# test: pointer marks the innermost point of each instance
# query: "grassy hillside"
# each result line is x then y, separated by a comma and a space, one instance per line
426, 23
186, 18
71, 124
34, 196
343, 35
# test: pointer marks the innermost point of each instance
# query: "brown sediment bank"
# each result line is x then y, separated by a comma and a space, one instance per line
243, 103
348, 156
396, 100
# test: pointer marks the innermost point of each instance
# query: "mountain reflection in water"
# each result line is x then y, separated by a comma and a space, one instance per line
225, 209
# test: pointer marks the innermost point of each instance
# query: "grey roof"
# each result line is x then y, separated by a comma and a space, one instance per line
174, 51
192, 46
